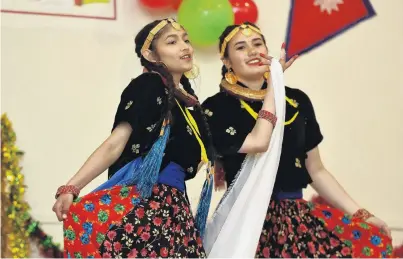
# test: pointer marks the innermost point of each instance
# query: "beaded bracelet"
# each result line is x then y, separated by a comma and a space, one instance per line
263, 114
362, 214
64, 189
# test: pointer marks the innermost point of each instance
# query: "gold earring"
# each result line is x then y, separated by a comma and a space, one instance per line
230, 77
193, 73
266, 75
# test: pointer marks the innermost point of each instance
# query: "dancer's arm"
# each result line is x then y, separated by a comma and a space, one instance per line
232, 129
323, 181
103, 157
327, 186
258, 139
141, 95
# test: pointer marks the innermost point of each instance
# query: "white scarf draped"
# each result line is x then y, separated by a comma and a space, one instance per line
236, 225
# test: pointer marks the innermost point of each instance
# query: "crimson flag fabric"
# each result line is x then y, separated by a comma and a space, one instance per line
313, 22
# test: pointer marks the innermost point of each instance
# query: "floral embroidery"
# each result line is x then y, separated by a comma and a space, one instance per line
189, 130
190, 170
128, 105
208, 112
136, 148
151, 127
293, 103
166, 91
298, 163
231, 131
159, 100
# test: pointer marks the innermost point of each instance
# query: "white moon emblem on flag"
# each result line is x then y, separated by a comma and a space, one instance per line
328, 5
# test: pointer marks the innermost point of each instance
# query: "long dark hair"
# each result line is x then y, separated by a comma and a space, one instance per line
223, 35
164, 72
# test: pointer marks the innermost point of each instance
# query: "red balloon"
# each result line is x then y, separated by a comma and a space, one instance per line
156, 3
175, 4
244, 11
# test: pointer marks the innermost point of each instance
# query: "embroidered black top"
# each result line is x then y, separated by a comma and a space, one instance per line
142, 104
230, 124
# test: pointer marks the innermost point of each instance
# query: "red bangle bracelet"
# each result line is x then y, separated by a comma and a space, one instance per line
263, 114
362, 214
64, 189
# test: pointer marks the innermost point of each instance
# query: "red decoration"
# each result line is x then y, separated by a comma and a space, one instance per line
156, 4
312, 23
176, 4
266, 115
65, 189
398, 251
244, 11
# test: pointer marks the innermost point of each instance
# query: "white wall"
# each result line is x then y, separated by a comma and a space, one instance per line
62, 77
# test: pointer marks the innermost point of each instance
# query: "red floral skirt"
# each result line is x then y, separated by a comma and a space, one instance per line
116, 223
297, 228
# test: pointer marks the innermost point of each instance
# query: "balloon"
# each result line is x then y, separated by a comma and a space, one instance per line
205, 20
156, 3
244, 11
175, 4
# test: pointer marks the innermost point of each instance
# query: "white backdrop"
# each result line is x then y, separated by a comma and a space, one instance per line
62, 78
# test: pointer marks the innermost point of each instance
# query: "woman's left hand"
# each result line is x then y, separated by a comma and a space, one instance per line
286, 64
380, 224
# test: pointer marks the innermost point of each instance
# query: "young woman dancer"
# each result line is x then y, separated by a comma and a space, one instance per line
292, 227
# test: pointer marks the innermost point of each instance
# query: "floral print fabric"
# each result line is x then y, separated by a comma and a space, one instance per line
116, 223
296, 228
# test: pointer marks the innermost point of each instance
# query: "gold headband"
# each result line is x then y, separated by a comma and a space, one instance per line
246, 30
156, 29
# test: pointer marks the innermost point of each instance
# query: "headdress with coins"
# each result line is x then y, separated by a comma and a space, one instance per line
246, 30
191, 74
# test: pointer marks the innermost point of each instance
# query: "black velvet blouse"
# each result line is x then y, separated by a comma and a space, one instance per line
230, 124
142, 105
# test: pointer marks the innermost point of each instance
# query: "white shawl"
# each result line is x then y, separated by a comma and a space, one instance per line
235, 227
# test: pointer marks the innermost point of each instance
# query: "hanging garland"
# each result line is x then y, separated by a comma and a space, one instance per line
47, 248
18, 229
14, 212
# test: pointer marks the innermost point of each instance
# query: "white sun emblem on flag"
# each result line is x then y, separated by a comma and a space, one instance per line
328, 5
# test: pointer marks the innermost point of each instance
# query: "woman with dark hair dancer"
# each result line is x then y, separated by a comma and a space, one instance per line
156, 144
291, 226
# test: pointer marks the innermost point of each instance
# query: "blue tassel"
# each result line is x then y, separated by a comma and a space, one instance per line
123, 176
146, 175
204, 205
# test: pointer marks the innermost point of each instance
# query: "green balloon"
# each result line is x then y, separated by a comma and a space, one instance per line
205, 20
